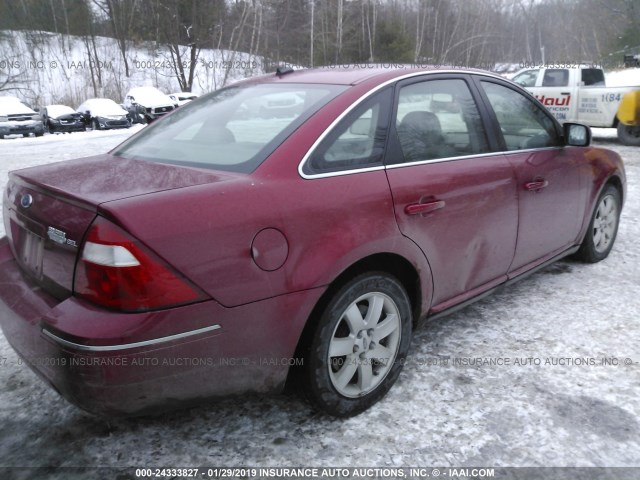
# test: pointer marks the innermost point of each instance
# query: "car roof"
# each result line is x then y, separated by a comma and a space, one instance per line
9, 98
355, 74
98, 100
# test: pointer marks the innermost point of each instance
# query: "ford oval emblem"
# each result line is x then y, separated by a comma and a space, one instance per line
26, 200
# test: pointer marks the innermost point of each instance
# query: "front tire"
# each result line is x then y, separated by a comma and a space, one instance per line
359, 346
629, 135
603, 227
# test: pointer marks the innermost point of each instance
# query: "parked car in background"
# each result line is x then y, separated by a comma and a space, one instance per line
149, 102
61, 118
16, 118
182, 98
220, 252
103, 113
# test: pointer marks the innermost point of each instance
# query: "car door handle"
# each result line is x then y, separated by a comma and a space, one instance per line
419, 208
565, 93
536, 185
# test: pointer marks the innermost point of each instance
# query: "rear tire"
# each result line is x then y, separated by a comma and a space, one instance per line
603, 227
359, 346
629, 135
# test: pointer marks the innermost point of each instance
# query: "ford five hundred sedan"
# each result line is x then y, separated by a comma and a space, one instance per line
225, 250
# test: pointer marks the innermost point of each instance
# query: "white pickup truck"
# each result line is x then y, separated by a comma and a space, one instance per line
579, 94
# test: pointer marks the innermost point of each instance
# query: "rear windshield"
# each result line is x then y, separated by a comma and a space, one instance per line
234, 129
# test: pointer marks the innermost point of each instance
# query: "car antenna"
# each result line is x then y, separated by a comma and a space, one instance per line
283, 71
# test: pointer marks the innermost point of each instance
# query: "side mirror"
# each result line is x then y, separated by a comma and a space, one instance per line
577, 135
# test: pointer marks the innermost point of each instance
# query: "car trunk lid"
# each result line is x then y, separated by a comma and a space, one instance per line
48, 209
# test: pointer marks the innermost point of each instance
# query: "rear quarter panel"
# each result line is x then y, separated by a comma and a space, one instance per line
597, 167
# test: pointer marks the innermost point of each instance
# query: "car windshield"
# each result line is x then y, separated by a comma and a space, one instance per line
234, 129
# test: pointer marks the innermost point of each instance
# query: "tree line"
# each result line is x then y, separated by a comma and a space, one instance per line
476, 33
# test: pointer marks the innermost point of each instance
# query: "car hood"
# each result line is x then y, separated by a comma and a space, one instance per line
15, 108
151, 98
67, 116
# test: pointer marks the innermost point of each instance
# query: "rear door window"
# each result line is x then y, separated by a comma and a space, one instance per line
592, 77
555, 78
438, 119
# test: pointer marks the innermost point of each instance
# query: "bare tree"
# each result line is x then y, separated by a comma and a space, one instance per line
121, 14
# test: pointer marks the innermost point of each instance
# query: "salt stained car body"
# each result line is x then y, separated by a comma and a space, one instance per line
201, 256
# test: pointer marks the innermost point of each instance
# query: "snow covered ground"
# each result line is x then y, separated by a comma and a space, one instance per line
447, 415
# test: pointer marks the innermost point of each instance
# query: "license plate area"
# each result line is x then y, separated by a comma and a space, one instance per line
30, 253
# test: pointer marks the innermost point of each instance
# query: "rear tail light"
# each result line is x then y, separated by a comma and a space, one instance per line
116, 271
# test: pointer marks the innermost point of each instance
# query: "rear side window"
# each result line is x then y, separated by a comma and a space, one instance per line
592, 77
233, 129
357, 141
555, 78
523, 123
438, 119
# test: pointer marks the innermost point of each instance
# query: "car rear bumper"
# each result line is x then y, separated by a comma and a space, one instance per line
125, 364
20, 128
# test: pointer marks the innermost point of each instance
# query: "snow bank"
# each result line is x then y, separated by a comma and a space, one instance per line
623, 78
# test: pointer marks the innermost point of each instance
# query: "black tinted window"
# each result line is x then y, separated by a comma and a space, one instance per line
592, 77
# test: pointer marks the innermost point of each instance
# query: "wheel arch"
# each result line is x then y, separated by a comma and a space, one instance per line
617, 183
390, 263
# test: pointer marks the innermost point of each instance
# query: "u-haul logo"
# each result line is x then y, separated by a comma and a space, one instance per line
554, 101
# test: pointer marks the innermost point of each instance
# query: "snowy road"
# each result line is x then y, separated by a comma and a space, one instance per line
456, 415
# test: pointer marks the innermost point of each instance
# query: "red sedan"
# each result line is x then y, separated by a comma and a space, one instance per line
292, 227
